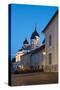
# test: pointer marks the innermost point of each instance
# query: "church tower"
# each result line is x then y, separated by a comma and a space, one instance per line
34, 39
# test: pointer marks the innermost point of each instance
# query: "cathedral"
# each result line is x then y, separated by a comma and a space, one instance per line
29, 55
33, 56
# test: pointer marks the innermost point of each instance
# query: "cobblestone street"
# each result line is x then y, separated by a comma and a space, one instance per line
34, 78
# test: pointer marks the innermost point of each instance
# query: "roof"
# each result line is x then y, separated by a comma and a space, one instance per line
20, 49
39, 49
27, 48
35, 33
35, 50
50, 21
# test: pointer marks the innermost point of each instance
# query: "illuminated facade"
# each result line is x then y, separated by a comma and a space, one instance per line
35, 56
51, 44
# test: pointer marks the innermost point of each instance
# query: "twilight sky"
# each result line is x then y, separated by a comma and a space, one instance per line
24, 18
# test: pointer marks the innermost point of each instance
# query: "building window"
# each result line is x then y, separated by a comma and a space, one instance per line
50, 40
50, 58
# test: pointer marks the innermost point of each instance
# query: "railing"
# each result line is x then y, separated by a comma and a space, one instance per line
51, 68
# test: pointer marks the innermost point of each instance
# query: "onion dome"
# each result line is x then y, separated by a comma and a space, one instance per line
35, 33
25, 41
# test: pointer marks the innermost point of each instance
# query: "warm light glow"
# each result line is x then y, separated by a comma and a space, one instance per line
18, 55
44, 53
21, 67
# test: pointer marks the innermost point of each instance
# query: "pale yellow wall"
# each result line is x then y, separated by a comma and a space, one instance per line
18, 56
53, 30
26, 60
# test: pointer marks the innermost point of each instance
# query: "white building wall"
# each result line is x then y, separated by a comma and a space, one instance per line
25, 59
38, 59
52, 29
18, 56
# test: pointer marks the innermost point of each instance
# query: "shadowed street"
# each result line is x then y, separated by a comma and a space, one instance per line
34, 78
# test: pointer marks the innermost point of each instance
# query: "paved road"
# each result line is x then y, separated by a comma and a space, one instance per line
34, 78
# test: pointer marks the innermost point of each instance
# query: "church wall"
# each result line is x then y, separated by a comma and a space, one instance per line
38, 59
26, 61
18, 56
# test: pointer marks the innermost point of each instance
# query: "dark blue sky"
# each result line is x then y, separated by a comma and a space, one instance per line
24, 18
